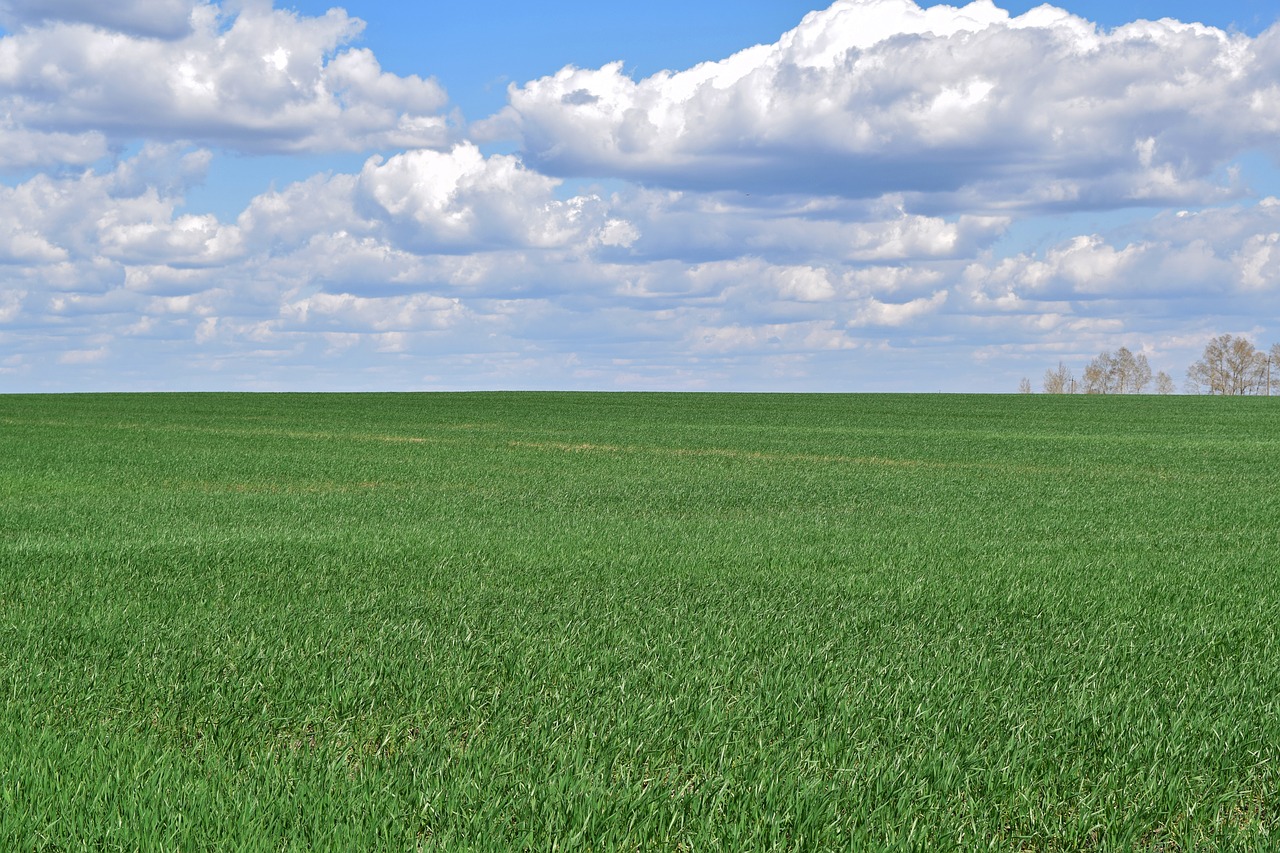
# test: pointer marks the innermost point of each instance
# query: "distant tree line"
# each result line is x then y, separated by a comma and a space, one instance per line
1230, 366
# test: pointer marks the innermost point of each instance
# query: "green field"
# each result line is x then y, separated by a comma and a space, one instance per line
639, 621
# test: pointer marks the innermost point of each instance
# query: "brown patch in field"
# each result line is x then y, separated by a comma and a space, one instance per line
266, 488
726, 453
579, 447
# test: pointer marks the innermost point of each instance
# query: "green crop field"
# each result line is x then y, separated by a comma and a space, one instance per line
639, 622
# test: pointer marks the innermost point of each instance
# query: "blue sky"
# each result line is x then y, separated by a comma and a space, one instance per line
871, 195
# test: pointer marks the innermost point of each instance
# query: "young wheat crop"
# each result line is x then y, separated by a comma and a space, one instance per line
661, 622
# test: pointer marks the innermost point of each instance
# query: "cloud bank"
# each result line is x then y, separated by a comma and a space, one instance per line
837, 210
957, 108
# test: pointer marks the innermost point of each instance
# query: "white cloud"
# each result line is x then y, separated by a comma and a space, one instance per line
1259, 261
807, 284
462, 199
788, 337
322, 204
701, 227
83, 356
877, 313
263, 80
23, 148
1216, 267
184, 240
957, 108
10, 304
399, 314
127, 214
20, 245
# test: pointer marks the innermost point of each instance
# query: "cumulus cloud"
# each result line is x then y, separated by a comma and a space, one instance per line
957, 108
24, 148
461, 199
126, 214
1168, 285
877, 313
10, 304
261, 80
413, 313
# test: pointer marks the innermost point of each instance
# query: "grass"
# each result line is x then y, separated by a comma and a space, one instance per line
668, 622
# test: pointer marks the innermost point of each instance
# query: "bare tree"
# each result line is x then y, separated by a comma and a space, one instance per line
1230, 366
1164, 383
1059, 381
1024, 386
1129, 373
1273, 371
1121, 373
1100, 375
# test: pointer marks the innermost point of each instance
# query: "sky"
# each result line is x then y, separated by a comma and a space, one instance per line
763, 195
